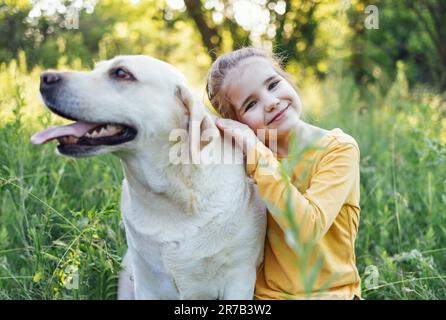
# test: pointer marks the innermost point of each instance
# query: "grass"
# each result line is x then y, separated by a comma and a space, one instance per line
60, 221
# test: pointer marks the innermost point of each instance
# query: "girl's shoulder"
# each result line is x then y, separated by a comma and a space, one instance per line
337, 137
336, 144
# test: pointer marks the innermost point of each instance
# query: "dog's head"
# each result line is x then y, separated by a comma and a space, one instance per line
117, 106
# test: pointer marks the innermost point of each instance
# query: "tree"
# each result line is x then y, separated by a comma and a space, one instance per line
208, 32
292, 29
410, 31
431, 16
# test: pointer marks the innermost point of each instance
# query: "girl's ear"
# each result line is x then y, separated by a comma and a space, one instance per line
198, 121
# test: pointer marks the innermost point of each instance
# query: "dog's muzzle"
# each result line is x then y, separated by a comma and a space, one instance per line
83, 136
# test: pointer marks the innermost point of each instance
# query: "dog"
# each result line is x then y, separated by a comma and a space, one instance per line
194, 230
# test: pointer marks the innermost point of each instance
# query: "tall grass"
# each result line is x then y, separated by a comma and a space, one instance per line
60, 219
56, 215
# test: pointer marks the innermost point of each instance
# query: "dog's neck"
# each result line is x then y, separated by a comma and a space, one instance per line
147, 171
151, 171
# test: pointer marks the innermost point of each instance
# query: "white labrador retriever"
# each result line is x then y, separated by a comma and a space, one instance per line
194, 231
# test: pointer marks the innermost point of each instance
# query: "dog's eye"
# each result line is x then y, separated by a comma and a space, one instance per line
122, 73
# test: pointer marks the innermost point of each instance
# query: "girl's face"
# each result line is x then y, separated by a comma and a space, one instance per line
261, 98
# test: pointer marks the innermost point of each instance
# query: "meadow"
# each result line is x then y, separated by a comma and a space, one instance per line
61, 236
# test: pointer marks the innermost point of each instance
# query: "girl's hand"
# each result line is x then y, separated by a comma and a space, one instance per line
243, 135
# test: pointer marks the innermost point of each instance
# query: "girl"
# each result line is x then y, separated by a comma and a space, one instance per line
249, 89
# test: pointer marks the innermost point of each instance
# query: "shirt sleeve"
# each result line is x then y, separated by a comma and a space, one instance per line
314, 211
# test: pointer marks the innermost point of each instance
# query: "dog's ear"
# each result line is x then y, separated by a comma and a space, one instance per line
199, 121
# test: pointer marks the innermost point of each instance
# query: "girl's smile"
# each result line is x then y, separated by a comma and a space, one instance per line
279, 116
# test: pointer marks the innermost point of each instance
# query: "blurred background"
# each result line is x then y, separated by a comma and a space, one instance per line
376, 69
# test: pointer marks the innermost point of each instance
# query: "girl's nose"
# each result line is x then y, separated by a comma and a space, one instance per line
272, 104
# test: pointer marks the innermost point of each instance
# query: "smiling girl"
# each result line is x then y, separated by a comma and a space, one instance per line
251, 91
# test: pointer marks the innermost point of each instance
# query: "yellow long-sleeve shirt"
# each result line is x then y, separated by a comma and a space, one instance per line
324, 192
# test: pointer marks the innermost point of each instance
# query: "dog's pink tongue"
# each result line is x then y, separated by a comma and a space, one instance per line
77, 129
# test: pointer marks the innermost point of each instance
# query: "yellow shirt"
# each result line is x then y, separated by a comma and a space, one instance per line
324, 192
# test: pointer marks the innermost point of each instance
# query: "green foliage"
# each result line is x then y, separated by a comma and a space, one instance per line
312, 36
115, 28
56, 214
410, 31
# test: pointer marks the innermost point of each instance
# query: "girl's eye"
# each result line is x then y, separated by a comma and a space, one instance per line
251, 104
273, 85
121, 73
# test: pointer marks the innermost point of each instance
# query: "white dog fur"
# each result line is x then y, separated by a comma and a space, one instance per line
194, 231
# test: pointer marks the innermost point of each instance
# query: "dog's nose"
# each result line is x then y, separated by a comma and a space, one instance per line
49, 79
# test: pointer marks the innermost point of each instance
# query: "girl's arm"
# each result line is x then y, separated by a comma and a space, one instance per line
329, 188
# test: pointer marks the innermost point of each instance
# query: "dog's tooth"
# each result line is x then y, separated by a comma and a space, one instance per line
104, 131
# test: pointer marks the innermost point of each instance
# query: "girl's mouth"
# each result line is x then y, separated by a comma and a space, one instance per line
280, 115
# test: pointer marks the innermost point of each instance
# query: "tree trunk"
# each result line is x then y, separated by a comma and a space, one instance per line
209, 36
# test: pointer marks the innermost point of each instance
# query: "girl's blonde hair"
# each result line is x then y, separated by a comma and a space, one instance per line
221, 67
